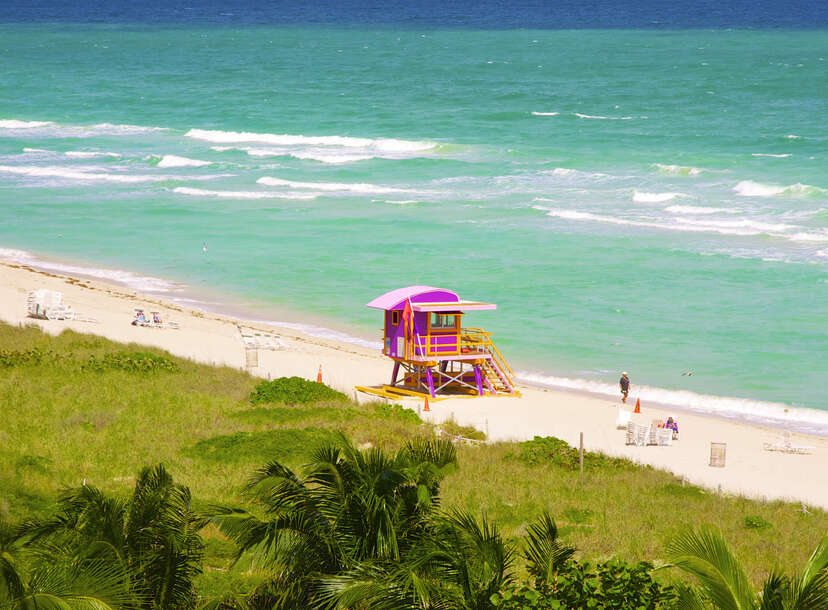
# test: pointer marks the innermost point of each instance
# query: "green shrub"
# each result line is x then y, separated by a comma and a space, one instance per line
293, 390
613, 584
755, 522
10, 358
133, 362
556, 452
397, 412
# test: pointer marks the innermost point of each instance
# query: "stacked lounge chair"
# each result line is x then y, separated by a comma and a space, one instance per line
787, 446
48, 305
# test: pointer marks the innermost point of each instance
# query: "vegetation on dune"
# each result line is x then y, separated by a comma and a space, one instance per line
405, 526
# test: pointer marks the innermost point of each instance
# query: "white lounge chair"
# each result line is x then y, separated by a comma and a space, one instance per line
786, 446
256, 339
664, 436
48, 305
623, 418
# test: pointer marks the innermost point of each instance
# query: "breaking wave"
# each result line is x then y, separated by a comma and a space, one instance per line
84, 154
185, 190
80, 175
679, 170
15, 124
174, 161
642, 197
382, 144
329, 186
782, 156
748, 188
693, 209
545, 113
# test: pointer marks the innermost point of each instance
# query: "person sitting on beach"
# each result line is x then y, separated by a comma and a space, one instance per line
624, 382
672, 425
139, 318
156, 318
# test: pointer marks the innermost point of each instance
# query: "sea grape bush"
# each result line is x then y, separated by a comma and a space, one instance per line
396, 411
554, 451
10, 358
134, 362
293, 390
610, 585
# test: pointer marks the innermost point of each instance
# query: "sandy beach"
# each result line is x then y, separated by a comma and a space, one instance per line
215, 339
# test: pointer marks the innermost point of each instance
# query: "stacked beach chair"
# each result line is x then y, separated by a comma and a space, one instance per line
48, 305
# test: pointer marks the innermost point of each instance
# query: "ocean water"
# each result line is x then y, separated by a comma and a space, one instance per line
641, 190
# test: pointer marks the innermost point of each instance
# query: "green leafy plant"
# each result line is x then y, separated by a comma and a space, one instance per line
34, 356
723, 582
755, 522
133, 362
293, 390
398, 412
548, 450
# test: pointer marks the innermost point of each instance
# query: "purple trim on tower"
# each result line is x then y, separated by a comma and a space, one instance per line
396, 298
478, 379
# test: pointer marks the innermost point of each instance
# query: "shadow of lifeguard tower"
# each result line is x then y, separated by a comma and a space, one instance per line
437, 357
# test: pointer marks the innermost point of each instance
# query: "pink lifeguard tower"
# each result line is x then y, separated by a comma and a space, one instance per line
424, 337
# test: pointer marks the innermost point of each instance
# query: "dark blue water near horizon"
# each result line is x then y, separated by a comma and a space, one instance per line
480, 14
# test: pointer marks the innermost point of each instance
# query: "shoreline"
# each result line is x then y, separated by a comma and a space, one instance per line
809, 421
213, 338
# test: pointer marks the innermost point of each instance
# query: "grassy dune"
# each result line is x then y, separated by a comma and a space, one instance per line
74, 410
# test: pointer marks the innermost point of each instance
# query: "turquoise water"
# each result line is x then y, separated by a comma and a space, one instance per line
650, 201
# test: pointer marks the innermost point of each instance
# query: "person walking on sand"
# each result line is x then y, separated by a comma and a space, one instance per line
624, 382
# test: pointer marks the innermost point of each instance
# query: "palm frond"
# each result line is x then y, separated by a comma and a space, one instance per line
544, 553
721, 576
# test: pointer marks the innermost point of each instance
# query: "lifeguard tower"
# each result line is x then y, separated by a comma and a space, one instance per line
424, 336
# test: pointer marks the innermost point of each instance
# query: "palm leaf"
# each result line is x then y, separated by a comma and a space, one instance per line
721, 576
545, 555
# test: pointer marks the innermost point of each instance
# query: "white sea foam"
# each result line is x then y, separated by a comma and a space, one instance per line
382, 144
133, 280
749, 188
751, 225
330, 158
605, 118
49, 129
329, 186
762, 412
679, 170
185, 190
175, 161
810, 237
642, 197
780, 156
84, 154
83, 175
322, 155
16, 124
546, 113
562, 171
686, 227
693, 209
790, 136
35, 150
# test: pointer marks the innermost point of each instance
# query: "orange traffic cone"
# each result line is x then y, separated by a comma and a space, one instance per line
319, 375
637, 406
425, 408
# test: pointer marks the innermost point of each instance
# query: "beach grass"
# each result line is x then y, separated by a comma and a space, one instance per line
66, 422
